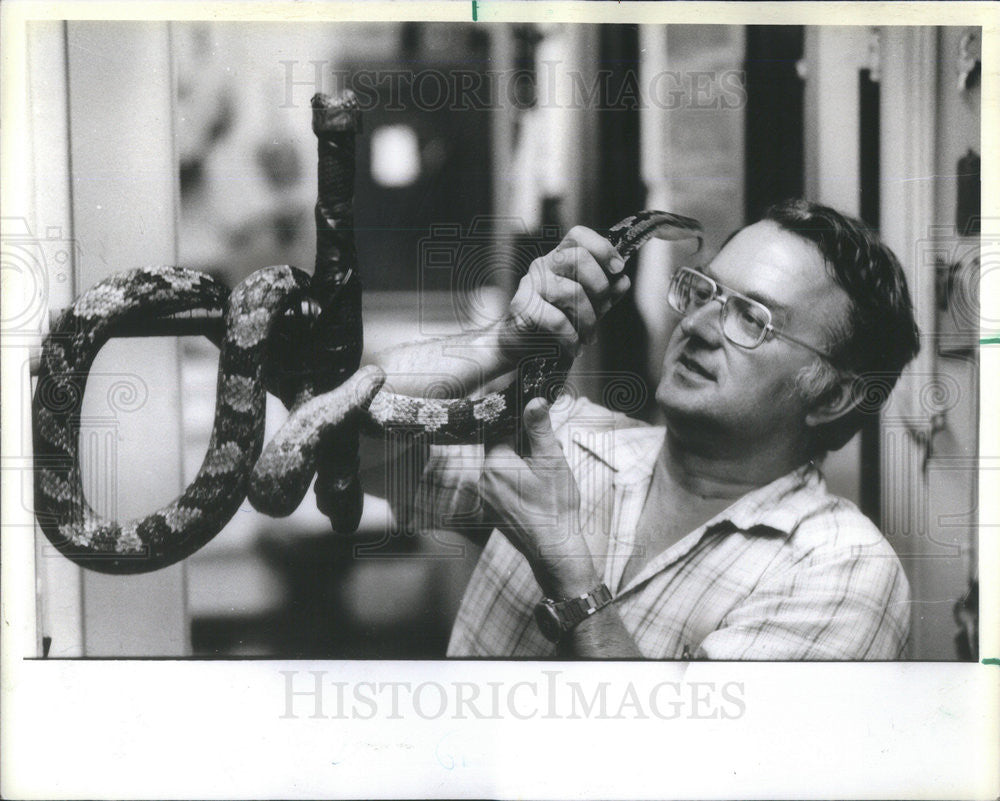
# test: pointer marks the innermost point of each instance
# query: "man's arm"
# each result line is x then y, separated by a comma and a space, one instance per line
602, 635
845, 598
559, 301
469, 360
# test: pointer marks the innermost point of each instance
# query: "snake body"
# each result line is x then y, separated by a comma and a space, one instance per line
330, 399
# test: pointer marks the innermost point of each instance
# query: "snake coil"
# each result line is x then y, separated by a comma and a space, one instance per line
330, 398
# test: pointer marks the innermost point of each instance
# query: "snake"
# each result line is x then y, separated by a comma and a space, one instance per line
330, 404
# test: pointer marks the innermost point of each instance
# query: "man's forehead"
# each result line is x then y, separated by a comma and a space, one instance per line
770, 264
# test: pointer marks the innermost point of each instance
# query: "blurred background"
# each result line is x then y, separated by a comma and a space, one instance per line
191, 143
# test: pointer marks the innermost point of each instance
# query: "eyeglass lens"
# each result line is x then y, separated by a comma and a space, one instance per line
743, 321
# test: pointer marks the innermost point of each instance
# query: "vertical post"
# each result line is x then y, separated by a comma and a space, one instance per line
623, 338
60, 599
502, 154
774, 121
35, 238
124, 207
833, 57
869, 187
909, 80
578, 115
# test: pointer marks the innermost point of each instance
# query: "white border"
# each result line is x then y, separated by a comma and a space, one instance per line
151, 729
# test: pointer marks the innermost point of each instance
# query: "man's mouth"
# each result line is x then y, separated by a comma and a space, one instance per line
694, 367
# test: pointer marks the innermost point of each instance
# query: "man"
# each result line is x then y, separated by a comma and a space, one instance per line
713, 536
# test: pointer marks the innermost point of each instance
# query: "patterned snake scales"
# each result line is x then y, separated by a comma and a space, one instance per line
318, 378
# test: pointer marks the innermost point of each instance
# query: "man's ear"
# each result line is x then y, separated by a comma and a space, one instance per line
837, 400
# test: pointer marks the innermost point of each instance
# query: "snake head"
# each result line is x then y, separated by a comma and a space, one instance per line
633, 232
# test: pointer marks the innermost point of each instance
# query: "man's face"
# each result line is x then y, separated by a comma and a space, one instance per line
749, 395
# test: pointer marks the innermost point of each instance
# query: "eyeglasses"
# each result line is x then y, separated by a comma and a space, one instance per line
745, 322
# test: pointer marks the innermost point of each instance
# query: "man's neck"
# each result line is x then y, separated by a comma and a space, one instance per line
706, 473
692, 484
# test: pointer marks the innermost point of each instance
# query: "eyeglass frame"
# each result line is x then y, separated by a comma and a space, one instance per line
768, 331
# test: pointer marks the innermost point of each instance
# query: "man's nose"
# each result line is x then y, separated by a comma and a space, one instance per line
705, 323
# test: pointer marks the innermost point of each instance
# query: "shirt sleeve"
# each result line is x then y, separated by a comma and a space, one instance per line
439, 490
847, 603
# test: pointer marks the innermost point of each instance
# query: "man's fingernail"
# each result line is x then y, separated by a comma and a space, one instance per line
617, 264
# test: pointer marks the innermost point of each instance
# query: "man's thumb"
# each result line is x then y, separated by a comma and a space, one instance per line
538, 426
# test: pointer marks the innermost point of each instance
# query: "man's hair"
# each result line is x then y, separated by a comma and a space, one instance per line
880, 336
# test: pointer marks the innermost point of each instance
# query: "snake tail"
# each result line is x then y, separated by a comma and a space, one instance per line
338, 335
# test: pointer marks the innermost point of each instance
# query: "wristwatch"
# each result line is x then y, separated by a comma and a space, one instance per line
558, 618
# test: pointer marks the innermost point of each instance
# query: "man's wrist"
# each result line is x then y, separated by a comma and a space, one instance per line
556, 619
501, 340
574, 577
567, 569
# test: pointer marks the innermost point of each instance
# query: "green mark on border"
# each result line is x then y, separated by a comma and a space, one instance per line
991, 661
986, 340
475, 11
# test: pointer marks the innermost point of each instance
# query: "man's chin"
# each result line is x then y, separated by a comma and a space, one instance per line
680, 383
682, 402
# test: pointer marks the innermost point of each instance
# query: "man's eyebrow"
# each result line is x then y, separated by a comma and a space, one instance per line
767, 300
760, 297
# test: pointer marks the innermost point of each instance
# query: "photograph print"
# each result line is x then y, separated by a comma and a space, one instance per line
418, 340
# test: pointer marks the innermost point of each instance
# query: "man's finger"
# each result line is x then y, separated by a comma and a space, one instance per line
580, 265
570, 298
539, 429
532, 314
599, 246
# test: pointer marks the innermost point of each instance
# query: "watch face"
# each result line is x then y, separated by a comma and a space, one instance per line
548, 622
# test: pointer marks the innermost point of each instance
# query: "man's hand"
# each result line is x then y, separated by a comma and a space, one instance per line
561, 299
539, 503
564, 295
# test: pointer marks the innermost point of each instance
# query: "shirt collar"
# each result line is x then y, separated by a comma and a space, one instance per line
630, 452
780, 505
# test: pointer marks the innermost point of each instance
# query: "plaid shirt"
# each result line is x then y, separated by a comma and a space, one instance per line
787, 572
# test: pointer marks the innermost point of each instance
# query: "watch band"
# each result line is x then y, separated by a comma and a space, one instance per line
576, 610
557, 618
